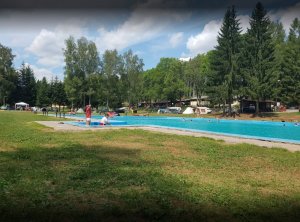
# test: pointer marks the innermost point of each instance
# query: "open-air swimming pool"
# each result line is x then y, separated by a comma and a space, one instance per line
276, 131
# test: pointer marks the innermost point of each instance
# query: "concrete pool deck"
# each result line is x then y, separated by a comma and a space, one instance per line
59, 126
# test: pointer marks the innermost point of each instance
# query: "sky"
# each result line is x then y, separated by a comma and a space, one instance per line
36, 30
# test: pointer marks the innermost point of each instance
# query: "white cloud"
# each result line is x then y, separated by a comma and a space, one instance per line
48, 45
139, 53
176, 39
135, 30
141, 26
205, 40
172, 41
39, 73
244, 22
286, 16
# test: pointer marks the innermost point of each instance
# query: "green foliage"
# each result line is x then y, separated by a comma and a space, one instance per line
43, 93
294, 31
8, 76
26, 85
278, 37
153, 85
196, 73
277, 32
57, 91
290, 74
81, 61
132, 77
73, 88
172, 75
165, 82
226, 65
259, 58
112, 72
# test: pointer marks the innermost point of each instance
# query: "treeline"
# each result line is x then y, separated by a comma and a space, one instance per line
107, 81
21, 85
261, 64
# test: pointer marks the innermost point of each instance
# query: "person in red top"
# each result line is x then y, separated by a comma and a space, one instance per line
88, 114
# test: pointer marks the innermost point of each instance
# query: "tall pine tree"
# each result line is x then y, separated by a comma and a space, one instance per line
43, 93
227, 55
57, 92
278, 36
259, 57
290, 80
26, 85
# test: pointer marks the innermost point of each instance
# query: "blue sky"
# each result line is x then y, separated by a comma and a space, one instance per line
152, 29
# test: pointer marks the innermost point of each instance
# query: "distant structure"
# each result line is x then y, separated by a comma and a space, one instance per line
187, 59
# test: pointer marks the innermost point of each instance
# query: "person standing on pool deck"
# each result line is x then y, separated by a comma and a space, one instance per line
88, 114
104, 120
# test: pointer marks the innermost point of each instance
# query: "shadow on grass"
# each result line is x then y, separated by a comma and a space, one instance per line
80, 183
263, 115
275, 115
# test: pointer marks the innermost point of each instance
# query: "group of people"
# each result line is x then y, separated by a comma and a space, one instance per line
88, 115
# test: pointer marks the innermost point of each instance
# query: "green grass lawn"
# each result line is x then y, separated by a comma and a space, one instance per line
135, 175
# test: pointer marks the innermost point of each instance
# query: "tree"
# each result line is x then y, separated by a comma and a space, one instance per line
216, 90
294, 31
8, 76
277, 33
57, 92
89, 64
43, 93
227, 53
278, 39
81, 61
96, 92
259, 57
72, 87
170, 70
196, 76
26, 85
151, 85
290, 79
132, 77
112, 72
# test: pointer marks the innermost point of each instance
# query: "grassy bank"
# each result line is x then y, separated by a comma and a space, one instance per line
134, 175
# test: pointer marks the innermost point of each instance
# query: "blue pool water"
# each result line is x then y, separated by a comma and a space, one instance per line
277, 131
97, 123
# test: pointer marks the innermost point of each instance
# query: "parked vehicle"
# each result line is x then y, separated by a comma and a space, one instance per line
175, 110
4, 107
203, 110
163, 111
